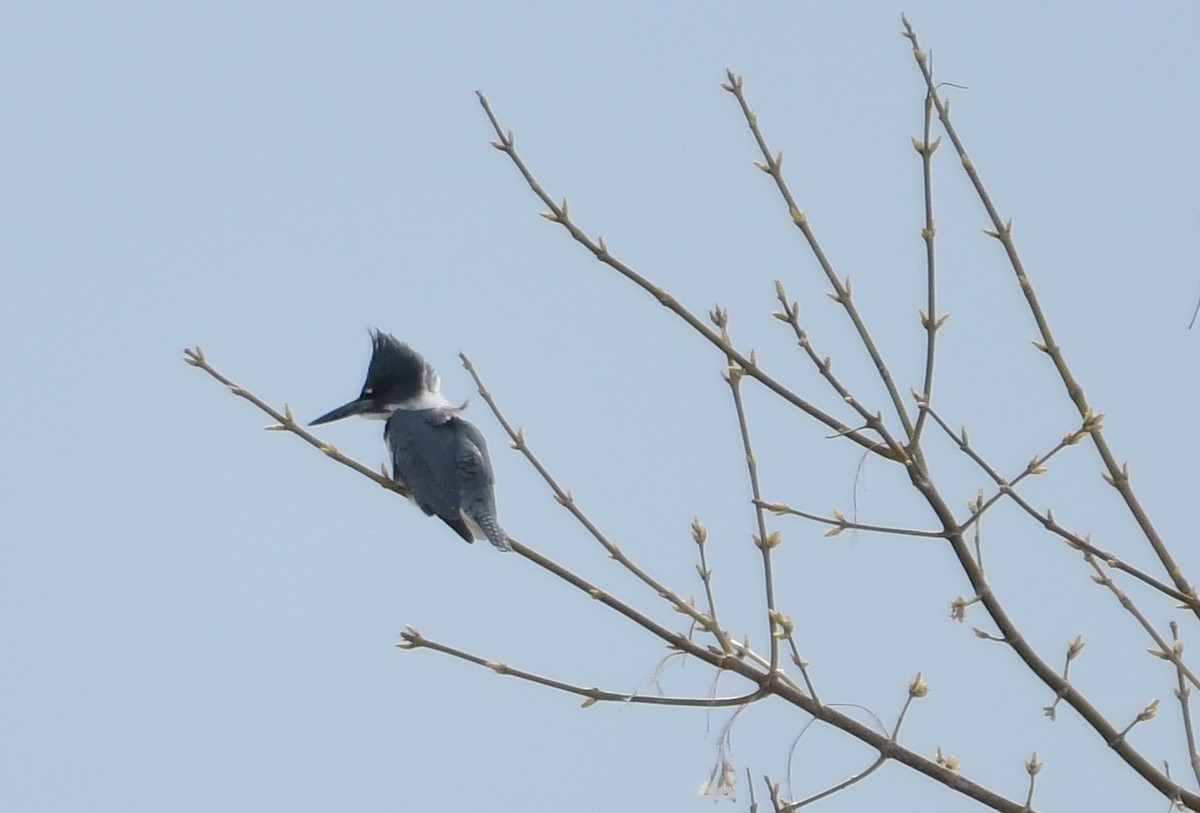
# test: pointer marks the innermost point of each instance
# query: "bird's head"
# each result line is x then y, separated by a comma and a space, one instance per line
397, 378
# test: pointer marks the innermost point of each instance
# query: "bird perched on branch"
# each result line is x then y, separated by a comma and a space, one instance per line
439, 456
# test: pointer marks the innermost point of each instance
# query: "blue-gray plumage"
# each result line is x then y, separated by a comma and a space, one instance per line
442, 459
439, 456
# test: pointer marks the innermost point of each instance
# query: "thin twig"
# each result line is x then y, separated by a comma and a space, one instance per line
1164, 650
977, 534
765, 541
1074, 647
1147, 713
1036, 466
929, 317
1183, 695
824, 365
1033, 766
412, 639
917, 688
838, 523
787, 631
700, 537
840, 786
856, 777
777, 803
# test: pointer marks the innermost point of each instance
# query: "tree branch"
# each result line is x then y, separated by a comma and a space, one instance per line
1117, 474
559, 214
772, 164
412, 639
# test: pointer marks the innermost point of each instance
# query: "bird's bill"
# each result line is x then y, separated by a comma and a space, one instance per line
356, 407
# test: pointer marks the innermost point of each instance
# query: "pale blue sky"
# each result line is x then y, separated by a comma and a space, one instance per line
197, 615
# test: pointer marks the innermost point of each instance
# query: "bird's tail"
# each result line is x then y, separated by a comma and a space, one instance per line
494, 533
485, 526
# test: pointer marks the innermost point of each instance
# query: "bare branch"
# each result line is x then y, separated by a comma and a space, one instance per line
773, 166
599, 249
412, 639
1074, 647
1163, 650
840, 786
285, 422
838, 523
764, 540
1183, 695
700, 537
1046, 520
1117, 474
791, 315
917, 688
930, 320
1033, 766
1148, 712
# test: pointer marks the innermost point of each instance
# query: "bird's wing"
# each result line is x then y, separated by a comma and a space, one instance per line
425, 455
477, 495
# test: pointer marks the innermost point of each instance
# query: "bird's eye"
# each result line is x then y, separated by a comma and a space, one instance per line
369, 391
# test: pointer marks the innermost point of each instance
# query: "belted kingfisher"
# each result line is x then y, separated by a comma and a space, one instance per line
439, 456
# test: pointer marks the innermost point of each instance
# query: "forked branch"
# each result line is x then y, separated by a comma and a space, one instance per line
1117, 474
559, 213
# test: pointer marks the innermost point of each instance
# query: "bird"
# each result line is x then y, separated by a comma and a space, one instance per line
438, 455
